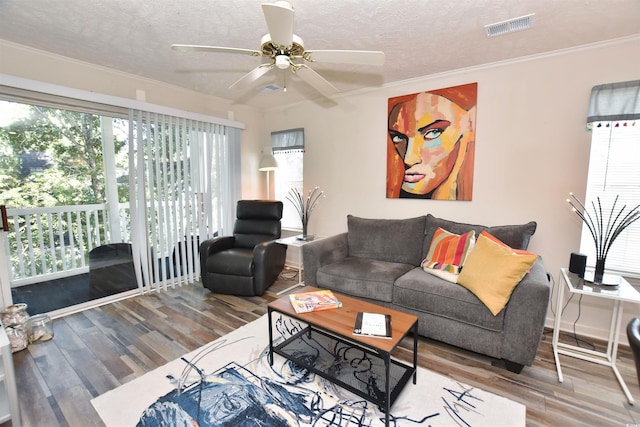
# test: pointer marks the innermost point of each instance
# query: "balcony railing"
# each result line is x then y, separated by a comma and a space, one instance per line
50, 243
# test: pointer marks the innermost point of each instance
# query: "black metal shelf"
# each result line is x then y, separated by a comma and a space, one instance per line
346, 363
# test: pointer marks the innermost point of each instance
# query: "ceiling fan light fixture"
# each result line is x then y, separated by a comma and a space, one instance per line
285, 51
282, 62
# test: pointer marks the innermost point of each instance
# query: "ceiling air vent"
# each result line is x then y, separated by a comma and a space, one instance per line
270, 88
509, 26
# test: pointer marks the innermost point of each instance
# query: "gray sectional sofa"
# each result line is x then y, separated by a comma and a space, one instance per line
378, 260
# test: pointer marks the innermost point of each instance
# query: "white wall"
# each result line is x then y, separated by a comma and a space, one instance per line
532, 149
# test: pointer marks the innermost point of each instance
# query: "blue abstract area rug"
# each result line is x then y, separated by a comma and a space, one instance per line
229, 382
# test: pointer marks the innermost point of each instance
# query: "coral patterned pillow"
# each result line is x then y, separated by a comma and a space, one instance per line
447, 253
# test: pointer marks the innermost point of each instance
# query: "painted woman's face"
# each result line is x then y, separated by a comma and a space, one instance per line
426, 131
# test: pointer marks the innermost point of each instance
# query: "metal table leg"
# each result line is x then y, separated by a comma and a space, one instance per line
270, 337
387, 363
300, 282
556, 326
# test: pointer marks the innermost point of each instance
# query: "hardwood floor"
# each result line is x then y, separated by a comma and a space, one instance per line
97, 350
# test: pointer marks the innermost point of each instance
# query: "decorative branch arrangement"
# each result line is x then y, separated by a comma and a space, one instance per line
604, 234
305, 207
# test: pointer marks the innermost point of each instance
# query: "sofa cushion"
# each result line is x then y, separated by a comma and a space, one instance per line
516, 236
492, 271
362, 277
425, 293
447, 253
392, 240
501, 243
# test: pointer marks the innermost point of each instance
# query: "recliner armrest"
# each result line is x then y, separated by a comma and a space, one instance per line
214, 245
268, 260
263, 251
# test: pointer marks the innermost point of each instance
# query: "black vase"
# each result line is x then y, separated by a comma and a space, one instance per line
598, 274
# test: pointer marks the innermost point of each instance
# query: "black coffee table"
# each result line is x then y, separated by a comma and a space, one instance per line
333, 329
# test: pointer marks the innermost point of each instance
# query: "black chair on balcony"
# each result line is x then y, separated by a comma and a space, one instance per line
111, 270
248, 262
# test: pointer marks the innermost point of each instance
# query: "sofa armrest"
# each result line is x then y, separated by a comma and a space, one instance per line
525, 316
322, 252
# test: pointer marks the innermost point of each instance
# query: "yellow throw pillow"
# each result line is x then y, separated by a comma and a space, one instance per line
492, 271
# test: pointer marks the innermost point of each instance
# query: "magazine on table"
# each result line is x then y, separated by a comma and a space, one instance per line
372, 325
314, 301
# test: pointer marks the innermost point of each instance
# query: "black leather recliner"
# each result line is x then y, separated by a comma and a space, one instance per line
248, 262
633, 334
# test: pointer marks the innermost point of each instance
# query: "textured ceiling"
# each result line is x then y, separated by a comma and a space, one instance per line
419, 37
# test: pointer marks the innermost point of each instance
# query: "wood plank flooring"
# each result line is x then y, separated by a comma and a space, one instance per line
99, 349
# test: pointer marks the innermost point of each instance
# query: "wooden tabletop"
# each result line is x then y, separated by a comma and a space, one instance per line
341, 320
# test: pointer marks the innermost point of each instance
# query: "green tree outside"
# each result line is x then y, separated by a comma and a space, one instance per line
52, 157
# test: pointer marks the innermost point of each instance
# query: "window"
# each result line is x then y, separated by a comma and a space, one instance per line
79, 172
55, 186
288, 149
614, 170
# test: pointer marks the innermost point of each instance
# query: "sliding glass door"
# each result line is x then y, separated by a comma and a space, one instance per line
62, 202
104, 204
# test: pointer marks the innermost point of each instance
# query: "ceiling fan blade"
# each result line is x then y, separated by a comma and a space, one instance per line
316, 80
279, 17
199, 48
253, 75
364, 57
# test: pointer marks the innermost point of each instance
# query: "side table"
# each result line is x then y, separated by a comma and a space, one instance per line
296, 241
618, 294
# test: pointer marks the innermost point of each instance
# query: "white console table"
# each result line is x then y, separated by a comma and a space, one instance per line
295, 241
618, 294
9, 406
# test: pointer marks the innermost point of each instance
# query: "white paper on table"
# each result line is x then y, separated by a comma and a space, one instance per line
374, 324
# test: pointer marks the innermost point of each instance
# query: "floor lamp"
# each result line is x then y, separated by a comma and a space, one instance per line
267, 163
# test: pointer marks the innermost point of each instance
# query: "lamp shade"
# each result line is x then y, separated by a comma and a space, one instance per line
267, 161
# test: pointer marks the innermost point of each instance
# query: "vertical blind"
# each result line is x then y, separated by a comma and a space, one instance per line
184, 179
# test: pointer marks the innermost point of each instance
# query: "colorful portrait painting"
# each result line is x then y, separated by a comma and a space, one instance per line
431, 144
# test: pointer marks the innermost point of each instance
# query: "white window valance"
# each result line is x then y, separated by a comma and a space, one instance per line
287, 140
615, 101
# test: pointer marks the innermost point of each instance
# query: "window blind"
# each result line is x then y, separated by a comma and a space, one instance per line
182, 190
614, 170
288, 149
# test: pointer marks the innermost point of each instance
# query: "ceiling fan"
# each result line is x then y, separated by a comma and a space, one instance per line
286, 51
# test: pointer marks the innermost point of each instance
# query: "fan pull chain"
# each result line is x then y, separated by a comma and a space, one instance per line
284, 84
